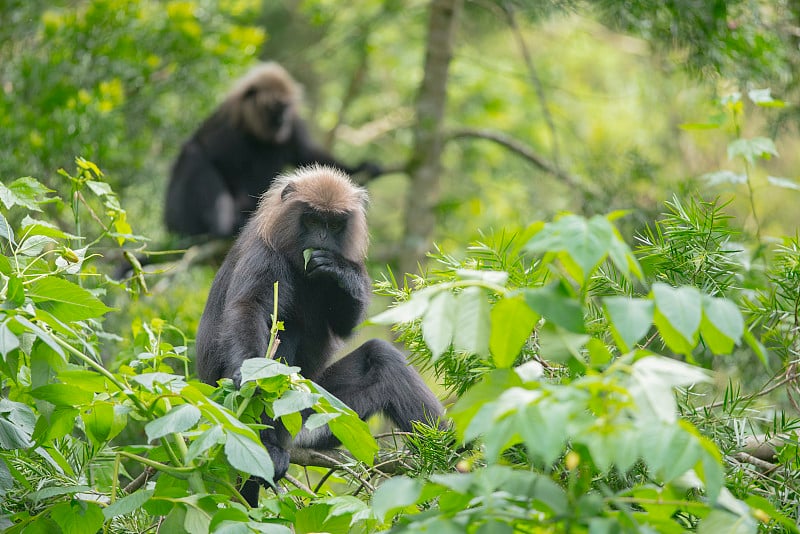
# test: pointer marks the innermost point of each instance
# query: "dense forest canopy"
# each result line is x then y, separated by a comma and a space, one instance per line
585, 236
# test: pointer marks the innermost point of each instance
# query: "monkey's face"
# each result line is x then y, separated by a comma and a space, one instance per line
322, 230
269, 113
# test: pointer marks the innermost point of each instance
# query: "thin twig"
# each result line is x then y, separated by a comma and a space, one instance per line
537, 82
139, 481
298, 484
790, 376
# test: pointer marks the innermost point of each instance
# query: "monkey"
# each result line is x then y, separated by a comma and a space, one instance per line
225, 166
320, 302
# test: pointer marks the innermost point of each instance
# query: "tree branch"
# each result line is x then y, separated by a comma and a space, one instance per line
526, 152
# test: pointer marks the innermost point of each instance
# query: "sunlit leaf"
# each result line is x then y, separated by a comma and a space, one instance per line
473, 322
629, 319
67, 301
439, 323
682, 309
178, 419
512, 323
785, 183
128, 504
557, 306
248, 456
750, 149
395, 494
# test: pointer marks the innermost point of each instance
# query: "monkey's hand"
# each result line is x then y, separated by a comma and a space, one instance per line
326, 263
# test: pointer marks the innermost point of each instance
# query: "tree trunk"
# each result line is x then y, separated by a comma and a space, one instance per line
424, 167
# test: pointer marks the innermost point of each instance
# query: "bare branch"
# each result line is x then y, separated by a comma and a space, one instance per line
526, 152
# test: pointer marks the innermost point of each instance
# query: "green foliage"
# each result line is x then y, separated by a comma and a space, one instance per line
63, 453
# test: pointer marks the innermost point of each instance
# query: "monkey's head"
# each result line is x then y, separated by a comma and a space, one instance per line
264, 103
315, 207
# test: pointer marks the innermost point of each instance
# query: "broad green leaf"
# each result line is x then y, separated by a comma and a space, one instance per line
407, 311
62, 395
484, 392
492, 277
67, 301
724, 177
763, 98
178, 419
316, 420
77, 517
45, 337
248, 456
554, 304
98, 421
682, 309
653, 379
750, 149
585, 242
12, 436
128, 504
559, 345
395, 494
34, 245
439, 323
512, 323
719, 521
472, 316
294, 401
543, 429
8, 341
784, 183
15, 293
261, 368
30, 226
6, 232
355, 437
206, 440
629, 318
150, 380
669, 451
722, 325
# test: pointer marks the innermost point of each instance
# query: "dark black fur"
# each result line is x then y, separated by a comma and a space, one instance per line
223, 169
319, 305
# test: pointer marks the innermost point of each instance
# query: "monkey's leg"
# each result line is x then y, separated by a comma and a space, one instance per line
376, 378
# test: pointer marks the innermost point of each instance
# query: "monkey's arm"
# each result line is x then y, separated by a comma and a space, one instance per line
245, 317
345, 287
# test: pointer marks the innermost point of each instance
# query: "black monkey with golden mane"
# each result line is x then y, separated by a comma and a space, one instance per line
319, 301
254, 135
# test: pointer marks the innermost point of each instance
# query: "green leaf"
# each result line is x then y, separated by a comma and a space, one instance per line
724, 177
722, 326
34, 245
653, 379
678, 311
750, 149
512, 323
585, 242
261, 368
12, 436
439, 323
294, 401
67, 301
484, 392
15, 293
763, 98
62, 395
355, 436
248, 456
128, 504
307, 256
559, 345
98, 421
394, 494
720, 521
6, 232
629, 318
77, 517
178, 419
554, 304
785, 183
206, 440
407, 311
8, 341
472, 316
669, 451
